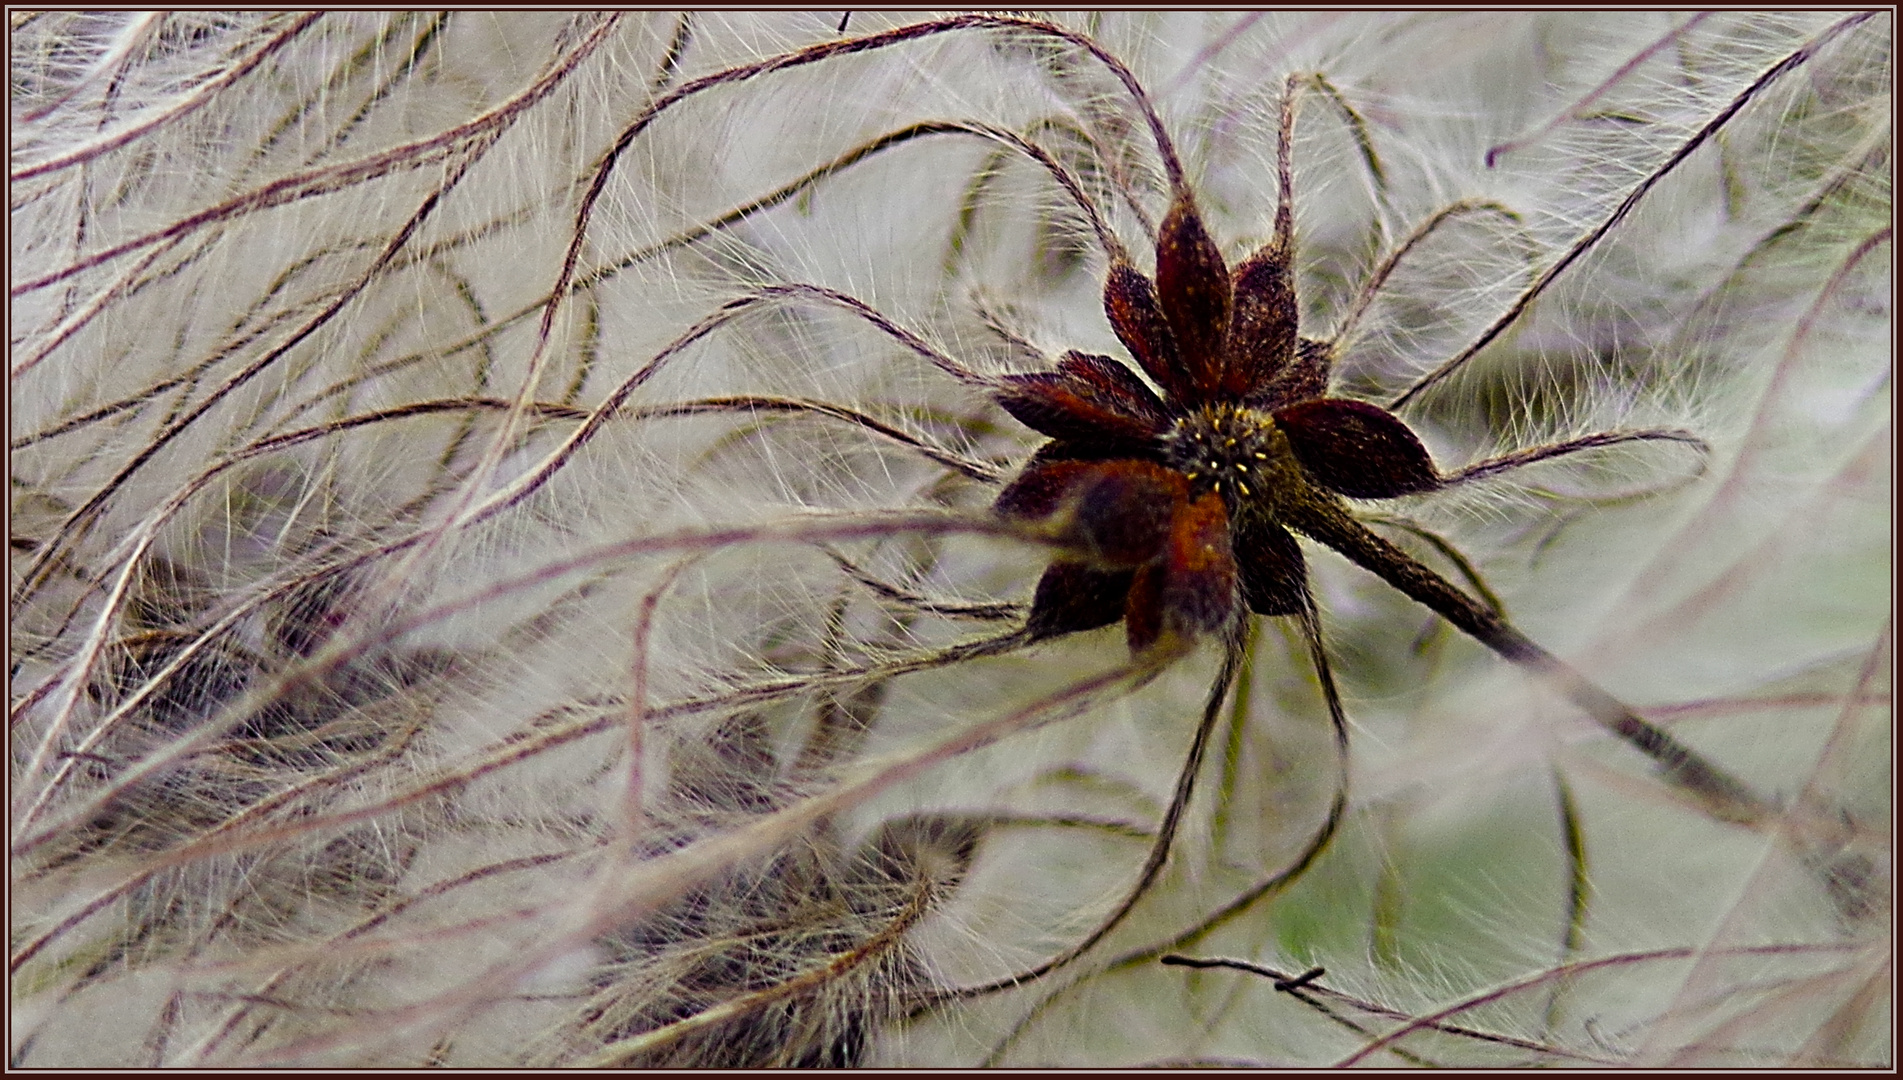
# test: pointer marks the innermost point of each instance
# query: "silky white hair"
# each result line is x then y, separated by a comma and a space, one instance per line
502, 573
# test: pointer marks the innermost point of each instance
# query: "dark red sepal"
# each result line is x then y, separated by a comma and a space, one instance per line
1202, 565
1039, 489
1356, 449
1122, 515
1192, 286
1071, 450
1115, 385
1262, 328
1073, 597
1303, 378
1191, 590
1274, 574
1129, 301
1143, 614
1115, 514
1060, 405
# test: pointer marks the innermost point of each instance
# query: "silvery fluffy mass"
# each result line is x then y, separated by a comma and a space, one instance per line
503, 567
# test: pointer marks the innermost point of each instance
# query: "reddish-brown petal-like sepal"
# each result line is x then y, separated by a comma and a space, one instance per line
1192, 589
1063, 406
1122, 515
1115, 514
1073, 597
1274, 576
1040, 489
1116, 386
1068, 450
1192, 285
1303, 378
1359, 450
1143, 613
1262, 329
1202, 565
1129, 301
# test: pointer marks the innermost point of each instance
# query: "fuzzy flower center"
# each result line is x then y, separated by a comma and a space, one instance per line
1228, 449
